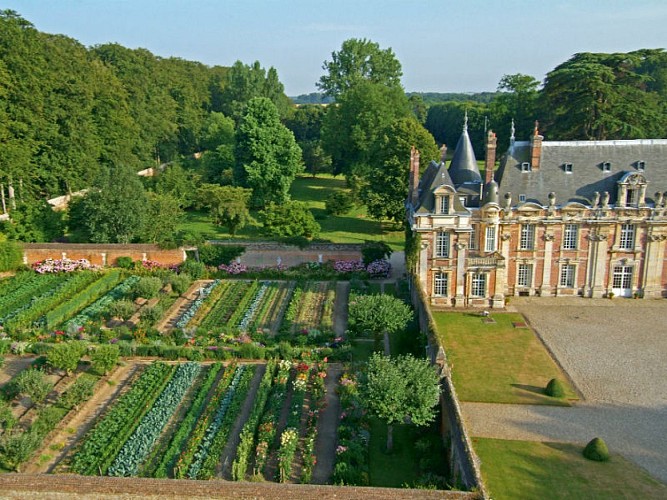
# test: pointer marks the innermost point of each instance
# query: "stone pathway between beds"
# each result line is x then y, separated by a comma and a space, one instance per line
327, 426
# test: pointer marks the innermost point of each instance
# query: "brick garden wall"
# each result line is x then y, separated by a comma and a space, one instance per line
101, 255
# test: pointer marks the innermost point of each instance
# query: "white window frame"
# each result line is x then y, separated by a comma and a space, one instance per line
490, 239
524, 275
444, 204
570, 236
442, 244
522, 198
478, 285
626, 238
473, 244
440, 284
606, 166
527, 239
620, 277
567, 167
525, 167
641, 166
567, 276
632, 196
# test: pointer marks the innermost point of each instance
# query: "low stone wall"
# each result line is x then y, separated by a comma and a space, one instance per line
259, 254
100, 255
464, 463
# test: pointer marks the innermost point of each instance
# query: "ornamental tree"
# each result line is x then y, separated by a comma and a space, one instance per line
288, 220
33, 384
105, 357
378, 314
401, 390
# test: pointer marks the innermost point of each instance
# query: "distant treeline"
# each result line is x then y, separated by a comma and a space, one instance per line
427, 97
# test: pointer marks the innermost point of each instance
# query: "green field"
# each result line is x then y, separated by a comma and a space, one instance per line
352, 227
523, 469
496, 362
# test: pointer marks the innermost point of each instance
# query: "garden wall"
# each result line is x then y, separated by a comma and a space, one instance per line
259, 254
464, 463
102, 254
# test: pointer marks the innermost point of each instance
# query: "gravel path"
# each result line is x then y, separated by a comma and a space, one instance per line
327, 427
615, 351
340, 308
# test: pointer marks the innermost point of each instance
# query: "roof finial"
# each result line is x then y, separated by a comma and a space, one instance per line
512, 130
465, 121
537, 126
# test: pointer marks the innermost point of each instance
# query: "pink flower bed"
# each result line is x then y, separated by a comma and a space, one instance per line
62, 266
233, 268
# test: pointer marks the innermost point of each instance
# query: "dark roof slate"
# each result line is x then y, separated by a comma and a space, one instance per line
587, 177
463, 167
434, 176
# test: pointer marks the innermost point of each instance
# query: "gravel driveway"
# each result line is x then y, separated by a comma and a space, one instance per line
615, 351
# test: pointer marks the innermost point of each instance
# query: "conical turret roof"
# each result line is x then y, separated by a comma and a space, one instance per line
463, 167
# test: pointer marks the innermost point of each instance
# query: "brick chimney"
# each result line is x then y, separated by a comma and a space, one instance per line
413, 184
490, 161
536, 148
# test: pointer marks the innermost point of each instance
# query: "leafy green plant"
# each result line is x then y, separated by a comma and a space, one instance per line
33, 384
104, 358
66, 356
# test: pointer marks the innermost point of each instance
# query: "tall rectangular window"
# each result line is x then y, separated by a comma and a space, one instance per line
440, 282
567, 276
442, 244
524, 275
527, 241
474, 237
627, 239
490, 240
570, 237
478, 285
444, 204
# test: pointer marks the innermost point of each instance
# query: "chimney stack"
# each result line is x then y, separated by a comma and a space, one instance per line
414, 176
536, 148
490, 162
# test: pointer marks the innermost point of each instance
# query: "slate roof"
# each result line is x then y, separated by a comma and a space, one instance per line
463, 167
587, 177
434, 176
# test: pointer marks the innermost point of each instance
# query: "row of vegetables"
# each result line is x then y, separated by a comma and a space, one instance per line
175, 420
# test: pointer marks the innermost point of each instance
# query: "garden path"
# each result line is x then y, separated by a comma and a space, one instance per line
327, 427
13, 366
81, 421
340, 308
224, 469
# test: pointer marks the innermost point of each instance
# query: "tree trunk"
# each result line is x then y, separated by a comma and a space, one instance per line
390, 438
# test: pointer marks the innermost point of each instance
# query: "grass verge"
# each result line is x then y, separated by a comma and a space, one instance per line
523, 469
496, 362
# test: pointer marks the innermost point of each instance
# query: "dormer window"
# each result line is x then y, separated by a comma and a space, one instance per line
522, 198
606, 166
567, 167
641, 165
525, 167
444, 204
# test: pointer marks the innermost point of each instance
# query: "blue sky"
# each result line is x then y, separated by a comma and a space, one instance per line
443, 45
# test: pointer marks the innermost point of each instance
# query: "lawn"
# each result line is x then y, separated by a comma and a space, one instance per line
523, 469
352, 227
496, 362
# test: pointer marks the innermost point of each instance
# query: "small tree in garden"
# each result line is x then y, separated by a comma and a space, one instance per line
289, 219
375, 250
147, 287
401, 390
65, 356
33, 383
180, 283
16, 447
123, 309
378, 314
78, 392
105, 357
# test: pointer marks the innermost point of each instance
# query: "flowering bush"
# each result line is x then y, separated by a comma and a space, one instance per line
349, 266
233, 268
152, 264
379, 269
376, 269
62, 266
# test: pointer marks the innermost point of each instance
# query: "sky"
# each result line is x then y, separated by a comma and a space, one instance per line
443, 45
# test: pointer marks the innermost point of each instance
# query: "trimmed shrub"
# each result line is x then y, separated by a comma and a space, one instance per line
555, 389
124, 262
197, 270
214, 255
375, 250
596, 450
147, 287
180, 283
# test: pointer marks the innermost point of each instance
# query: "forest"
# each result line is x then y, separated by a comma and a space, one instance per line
78, 118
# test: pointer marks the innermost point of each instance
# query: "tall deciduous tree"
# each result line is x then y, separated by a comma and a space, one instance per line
268, 158
518, 101
112, 212
163, 214
289, 219
359, 60
401, 390
377, 315
385, 183
227, 205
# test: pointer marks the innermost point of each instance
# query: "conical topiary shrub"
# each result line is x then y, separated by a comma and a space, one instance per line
596, 450
555, 388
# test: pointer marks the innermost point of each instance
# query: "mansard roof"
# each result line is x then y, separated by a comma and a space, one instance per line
595, 166
434, 176
463, 167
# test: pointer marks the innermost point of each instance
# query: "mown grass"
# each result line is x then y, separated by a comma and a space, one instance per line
353, 227
522, 469
496, 362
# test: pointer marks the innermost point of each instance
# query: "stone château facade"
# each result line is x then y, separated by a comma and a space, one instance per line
559, 218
